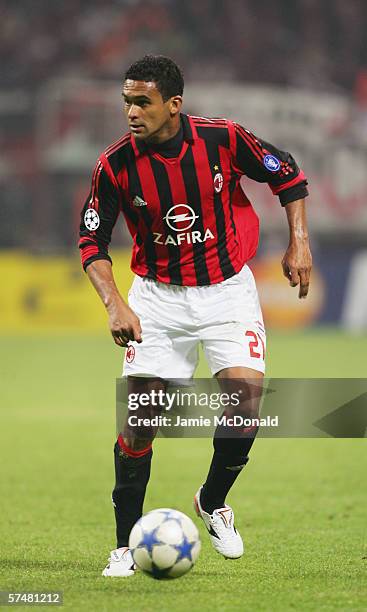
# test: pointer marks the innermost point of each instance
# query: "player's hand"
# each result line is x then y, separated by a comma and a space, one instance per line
297, 264
124, 324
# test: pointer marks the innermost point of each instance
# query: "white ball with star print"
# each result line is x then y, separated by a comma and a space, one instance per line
165, 543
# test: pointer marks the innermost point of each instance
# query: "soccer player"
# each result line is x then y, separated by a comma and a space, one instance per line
176, 179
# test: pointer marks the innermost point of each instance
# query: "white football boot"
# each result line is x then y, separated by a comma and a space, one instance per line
120, 563
223, 534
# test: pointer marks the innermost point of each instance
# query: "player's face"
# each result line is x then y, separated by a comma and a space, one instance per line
148, 116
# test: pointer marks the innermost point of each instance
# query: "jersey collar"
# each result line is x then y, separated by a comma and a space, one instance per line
189, 135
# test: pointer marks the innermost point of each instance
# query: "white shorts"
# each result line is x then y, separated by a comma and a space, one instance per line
225, 318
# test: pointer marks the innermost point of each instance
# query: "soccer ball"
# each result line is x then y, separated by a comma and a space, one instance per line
164, 543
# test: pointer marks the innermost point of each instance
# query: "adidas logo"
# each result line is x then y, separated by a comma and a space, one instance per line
138, 201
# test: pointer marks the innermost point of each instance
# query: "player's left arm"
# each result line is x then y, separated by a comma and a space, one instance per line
265, 163
297, 261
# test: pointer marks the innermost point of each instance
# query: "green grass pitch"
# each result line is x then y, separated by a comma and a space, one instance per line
300, 504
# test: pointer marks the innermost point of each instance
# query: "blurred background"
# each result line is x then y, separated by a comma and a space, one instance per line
292, 71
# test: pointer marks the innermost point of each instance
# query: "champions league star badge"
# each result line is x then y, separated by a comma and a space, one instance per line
272, 163
91, 219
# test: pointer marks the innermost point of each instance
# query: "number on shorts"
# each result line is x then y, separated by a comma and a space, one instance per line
254, 344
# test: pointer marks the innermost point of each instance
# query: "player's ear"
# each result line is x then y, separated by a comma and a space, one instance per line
175, 105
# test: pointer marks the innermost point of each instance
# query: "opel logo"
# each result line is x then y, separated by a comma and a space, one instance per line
180, 217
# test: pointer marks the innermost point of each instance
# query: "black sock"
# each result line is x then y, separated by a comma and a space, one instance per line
132, 476
229, 458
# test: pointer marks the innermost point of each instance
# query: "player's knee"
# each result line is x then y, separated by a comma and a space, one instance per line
248, 409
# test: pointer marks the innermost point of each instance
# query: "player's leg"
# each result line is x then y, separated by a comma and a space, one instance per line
231, 449
132, 458
232, 444
234, 344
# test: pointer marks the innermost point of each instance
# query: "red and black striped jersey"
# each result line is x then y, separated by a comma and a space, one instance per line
190, 221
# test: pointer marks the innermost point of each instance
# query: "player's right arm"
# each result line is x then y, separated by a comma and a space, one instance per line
123, 322
98, 218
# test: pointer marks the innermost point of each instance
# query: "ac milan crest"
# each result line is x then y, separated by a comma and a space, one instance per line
218, 182
130, 354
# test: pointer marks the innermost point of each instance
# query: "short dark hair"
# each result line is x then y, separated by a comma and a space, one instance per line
162, 71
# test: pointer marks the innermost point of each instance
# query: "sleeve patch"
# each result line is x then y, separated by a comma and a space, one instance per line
91, 219
271, 163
